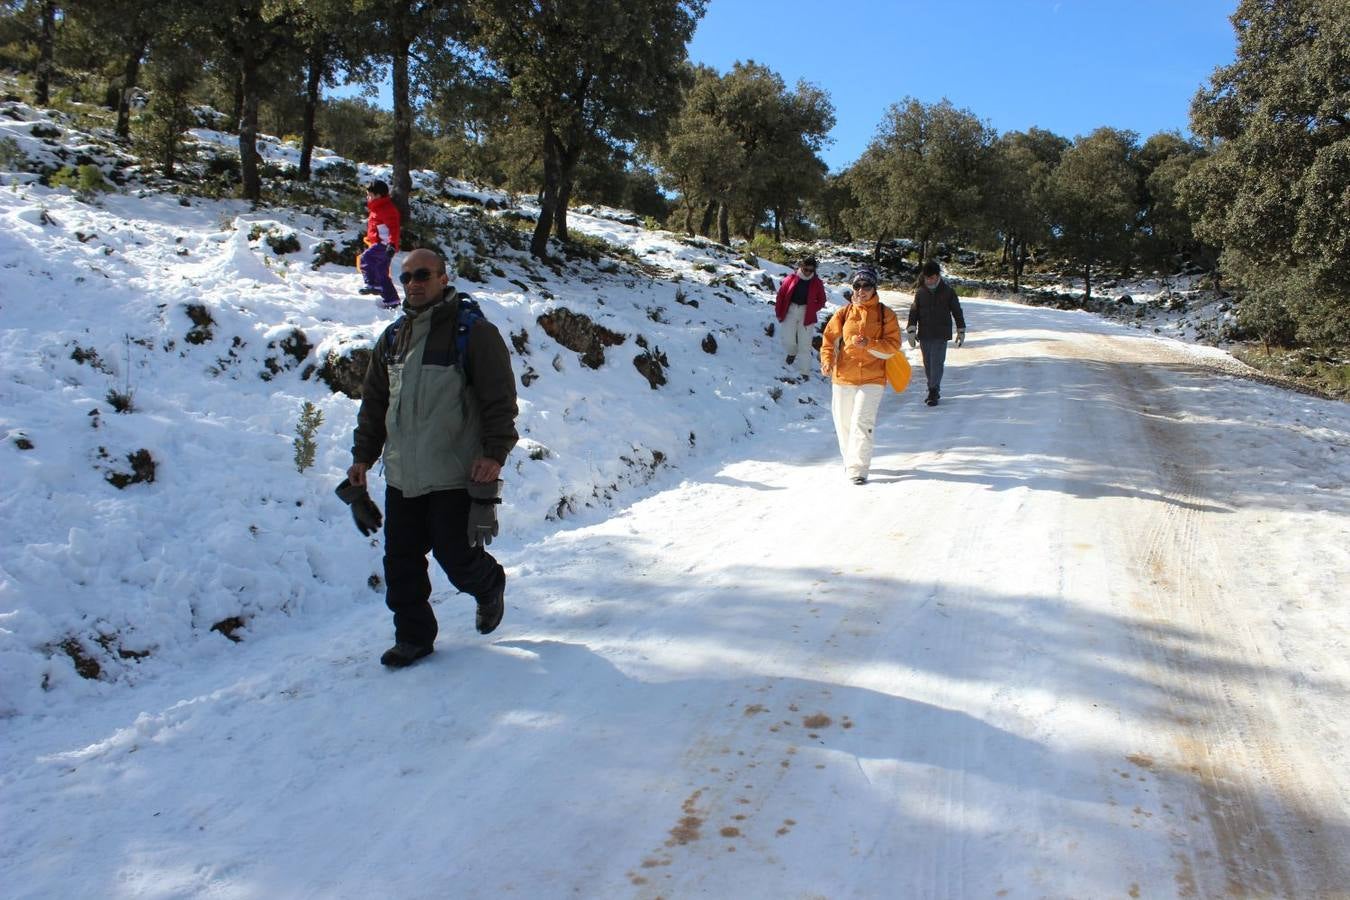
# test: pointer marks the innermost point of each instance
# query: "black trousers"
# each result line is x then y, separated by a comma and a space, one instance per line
435, 523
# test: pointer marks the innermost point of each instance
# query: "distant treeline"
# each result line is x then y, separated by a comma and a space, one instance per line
596, 100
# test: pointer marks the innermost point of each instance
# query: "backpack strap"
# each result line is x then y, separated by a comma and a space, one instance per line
390, 340
469, 313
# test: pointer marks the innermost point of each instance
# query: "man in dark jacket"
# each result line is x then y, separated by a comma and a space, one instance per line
930, 325
444, 426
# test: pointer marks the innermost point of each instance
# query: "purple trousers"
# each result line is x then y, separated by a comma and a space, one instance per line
376, 262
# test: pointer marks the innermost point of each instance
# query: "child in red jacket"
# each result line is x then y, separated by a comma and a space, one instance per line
381, 244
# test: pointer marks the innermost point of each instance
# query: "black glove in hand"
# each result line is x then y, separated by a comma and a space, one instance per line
364, 510
483, 499
960, 336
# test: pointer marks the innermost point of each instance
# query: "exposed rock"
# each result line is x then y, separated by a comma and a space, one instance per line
202, 324
578, 333
142, 469
294, 348
652, 366
709, 344
344, 372
229, 626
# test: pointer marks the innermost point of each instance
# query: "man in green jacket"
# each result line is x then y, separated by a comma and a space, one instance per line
444, 426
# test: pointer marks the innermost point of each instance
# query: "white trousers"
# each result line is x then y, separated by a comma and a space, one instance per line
797, 336
855, 418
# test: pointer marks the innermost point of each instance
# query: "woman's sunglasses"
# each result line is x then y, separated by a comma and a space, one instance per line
418, 275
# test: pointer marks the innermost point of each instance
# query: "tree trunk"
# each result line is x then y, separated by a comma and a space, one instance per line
400, 41
237, 103
1019, 264
548, 202
1087, 283
567, 172
778, 225
723, 232
248, 127
876, 249
313, 81
709, 211
46, 44
130, 75
689, 219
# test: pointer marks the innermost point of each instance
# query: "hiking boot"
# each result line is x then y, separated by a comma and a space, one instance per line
792, 358
860, 479
402, 655
490, 609
369, 290
384, 305
932, 399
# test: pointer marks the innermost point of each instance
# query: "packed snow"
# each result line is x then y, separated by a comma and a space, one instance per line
1083, 634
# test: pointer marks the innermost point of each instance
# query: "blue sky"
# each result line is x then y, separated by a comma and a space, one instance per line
1069, 66
1065, 65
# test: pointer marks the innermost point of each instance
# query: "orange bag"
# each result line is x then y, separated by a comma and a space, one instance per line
898, 371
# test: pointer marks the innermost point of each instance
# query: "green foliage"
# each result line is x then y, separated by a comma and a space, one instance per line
466, 268
1017, 204
1275, 189
171, 79
87, 181
585, 246
762, 245
830, 205
340, 173
311, 417
1165, 235
748, 144
1094, 201
603, 73
923, 176
357, 129
282, 244
11, 157
326, 252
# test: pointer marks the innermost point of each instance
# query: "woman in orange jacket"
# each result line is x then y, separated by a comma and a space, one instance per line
857, 342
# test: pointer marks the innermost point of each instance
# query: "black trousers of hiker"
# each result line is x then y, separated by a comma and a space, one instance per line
435, 523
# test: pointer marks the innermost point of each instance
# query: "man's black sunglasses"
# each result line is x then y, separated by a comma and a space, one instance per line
418, 275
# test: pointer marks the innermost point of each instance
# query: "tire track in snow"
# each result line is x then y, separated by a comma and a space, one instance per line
1264, 820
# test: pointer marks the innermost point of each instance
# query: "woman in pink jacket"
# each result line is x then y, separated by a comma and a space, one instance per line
800, 297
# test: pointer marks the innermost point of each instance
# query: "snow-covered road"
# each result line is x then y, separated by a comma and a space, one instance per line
1084, 634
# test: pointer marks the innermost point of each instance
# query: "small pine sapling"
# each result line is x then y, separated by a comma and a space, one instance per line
311, 417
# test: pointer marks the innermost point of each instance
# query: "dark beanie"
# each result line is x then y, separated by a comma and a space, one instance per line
378, 188
865, 274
